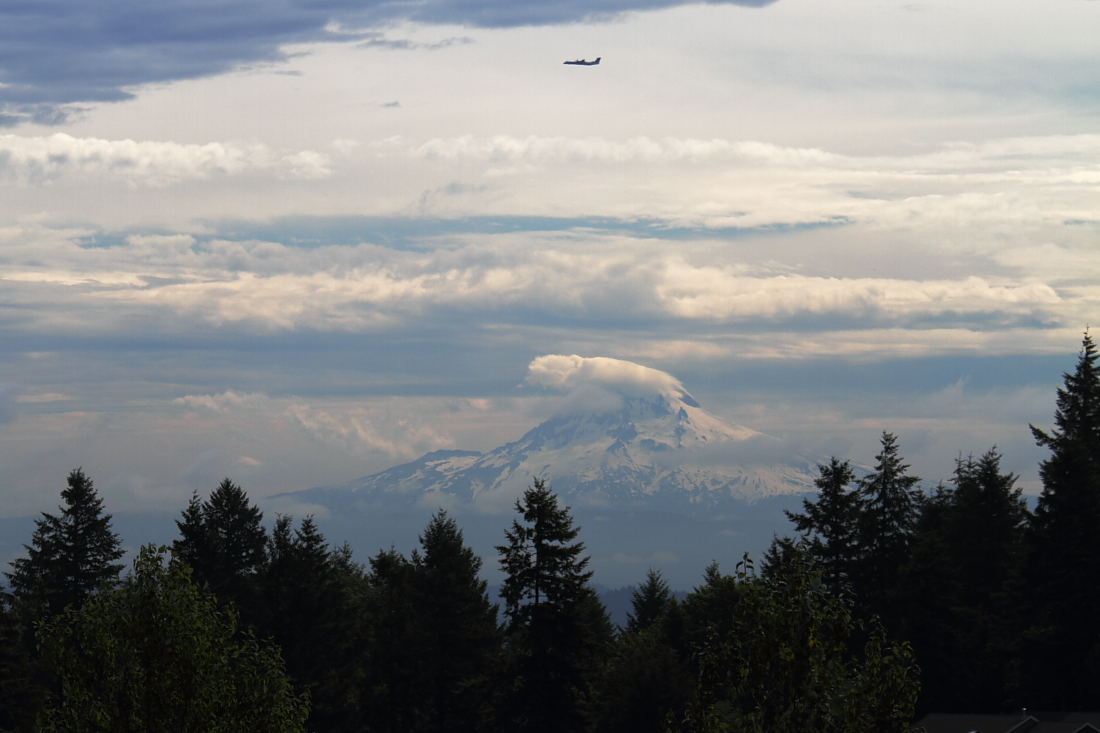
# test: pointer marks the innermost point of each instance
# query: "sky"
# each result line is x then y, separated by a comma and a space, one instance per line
297, 243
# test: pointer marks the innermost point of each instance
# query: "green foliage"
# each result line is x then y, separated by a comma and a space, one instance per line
644, 681
71, 555
157, 654
21, 690
784, 664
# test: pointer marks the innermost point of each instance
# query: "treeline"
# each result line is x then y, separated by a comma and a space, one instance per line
989, 605
287, 625
1001, 605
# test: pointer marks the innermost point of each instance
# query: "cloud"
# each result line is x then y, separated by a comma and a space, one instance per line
34, 161
361, 431
53, 54
573, 373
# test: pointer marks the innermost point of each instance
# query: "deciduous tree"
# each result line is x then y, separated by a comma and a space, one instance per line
158, 654
784, 666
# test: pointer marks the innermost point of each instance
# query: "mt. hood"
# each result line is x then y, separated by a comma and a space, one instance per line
625, 436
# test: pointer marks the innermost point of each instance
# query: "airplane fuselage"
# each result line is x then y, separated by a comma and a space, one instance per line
582, 62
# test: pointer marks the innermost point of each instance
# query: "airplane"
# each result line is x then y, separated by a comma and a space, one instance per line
582, 62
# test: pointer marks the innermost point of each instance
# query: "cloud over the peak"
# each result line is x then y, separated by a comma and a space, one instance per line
572, 373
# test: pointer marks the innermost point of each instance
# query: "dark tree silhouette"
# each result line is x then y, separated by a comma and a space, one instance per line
889, 503
649, 603
71, 555
1061, 660
223, 540
546, 604
829, 525
458, 636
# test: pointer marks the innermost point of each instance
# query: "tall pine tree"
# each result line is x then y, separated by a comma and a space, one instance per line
224, 542
959, 586
830, 524
459, 638
1062, 652
546, 599
649, 603
71, 554
889, 503
312, 611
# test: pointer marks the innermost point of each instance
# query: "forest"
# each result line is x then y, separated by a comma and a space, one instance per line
888, 602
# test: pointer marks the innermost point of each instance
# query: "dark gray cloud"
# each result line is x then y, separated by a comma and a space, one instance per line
56, 53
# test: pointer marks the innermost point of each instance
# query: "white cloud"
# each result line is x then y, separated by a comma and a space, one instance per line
361, 431
34, 161
220, 403
570, 373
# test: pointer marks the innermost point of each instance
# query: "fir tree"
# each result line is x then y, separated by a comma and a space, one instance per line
459, 638
544, 593
889, 504
312, 611
830, 524
649, 603
224, 542
71, 555
1064, 559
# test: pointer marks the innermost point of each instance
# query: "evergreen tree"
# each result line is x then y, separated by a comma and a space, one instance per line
829, 525
458, 637
958, 588
649, 603
545, 593
889, 504
393, 676
71, 555
645, 679
934, 623
224, 542
1063, 576
312, 610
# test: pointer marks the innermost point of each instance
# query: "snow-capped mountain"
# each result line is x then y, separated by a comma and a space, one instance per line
646, 445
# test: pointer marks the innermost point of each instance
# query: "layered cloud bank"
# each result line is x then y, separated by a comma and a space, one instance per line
35, 161
305, 244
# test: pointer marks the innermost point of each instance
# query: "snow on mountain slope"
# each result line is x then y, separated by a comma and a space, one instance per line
627, 437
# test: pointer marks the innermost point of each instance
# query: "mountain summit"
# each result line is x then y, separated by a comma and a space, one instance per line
625, 436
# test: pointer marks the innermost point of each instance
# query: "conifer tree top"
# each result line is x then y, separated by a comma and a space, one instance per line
1077, 415
71, 554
